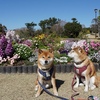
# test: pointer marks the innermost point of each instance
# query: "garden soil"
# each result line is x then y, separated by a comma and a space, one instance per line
21, 87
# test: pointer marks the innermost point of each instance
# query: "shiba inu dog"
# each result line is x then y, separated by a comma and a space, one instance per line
46, 71
84, 69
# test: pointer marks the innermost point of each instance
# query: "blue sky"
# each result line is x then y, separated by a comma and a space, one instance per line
15, 13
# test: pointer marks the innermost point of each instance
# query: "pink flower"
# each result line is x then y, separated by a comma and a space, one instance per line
27, 42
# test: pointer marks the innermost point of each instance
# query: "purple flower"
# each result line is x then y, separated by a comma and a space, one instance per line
27, 42
3, 42
2, 54
9, 50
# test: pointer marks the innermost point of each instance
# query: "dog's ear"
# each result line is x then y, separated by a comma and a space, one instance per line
80, 49
40, 51
51, 50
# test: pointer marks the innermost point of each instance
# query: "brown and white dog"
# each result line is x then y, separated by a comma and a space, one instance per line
84, 69
46, 71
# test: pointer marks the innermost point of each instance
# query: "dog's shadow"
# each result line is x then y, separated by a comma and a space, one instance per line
59, 83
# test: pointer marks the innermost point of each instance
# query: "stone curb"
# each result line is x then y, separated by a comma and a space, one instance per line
61, 68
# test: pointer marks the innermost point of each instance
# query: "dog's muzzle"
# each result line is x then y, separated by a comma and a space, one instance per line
46, 62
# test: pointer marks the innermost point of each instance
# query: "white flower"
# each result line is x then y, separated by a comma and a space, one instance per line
62, 59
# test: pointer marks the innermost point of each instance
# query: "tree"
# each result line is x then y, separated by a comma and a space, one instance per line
48, 23
30, 27
42, 24
94, 25
74, 20
94, 28
99, 23
3, 29
58, 28
72, 29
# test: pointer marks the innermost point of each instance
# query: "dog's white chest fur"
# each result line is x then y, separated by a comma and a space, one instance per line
47, 74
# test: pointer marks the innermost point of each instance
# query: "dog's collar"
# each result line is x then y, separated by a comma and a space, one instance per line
46, 74
77, 63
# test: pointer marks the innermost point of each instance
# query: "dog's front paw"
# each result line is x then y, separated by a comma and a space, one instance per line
36, 88
93, 87
56, 93
37, 94
81, 84
76, 86
85, 90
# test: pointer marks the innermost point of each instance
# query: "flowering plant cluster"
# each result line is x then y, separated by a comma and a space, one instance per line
12, 36
22, 50
92, 48
37, 41
6, 48
45, 41
7, 51
28, 42
42, 36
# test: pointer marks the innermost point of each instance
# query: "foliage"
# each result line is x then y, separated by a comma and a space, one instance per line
58, 28
45, 41
25, 49
30, 27
98, 18
23, 33
72, 29
74, 20
3, 28
94, 28
84, 33
22, 50
48, 23
49, 26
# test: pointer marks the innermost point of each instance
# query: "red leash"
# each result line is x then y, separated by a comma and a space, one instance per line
76, 93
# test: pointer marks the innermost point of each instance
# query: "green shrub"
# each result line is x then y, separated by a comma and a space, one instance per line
22, 50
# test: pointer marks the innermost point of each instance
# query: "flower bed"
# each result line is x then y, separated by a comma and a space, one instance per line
20, 54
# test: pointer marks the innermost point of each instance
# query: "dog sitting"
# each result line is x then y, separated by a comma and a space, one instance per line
46, 71
84, 69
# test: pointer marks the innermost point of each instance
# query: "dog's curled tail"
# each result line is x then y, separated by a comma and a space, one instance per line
97, 82
92, 69
98, 78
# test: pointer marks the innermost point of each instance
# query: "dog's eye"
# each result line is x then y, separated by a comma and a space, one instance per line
43, 57
72, 51
48, 56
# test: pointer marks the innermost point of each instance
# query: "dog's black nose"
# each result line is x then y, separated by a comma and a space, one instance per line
46, 62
